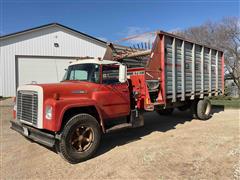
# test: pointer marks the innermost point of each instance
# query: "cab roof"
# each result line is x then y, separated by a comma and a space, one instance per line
94, 61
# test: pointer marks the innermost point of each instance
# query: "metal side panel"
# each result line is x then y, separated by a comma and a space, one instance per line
216, 89
210, 73
183, 71
202, 72
168, 64
174, 70
198, 65
213, 70
206, 68
179, 53
191, 70
220, 70
188, 66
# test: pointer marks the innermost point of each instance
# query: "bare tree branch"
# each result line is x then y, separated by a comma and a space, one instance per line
225, 35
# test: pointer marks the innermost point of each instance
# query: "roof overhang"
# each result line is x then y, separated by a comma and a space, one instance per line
101, 42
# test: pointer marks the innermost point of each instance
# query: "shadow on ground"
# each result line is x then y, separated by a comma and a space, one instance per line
153, 122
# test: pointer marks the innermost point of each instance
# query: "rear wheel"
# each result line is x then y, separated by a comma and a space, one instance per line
204, 109
165, 112
80, 138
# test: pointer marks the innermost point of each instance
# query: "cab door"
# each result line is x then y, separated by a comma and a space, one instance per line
115, 97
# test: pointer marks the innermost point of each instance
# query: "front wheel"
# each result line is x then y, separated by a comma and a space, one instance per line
80, 138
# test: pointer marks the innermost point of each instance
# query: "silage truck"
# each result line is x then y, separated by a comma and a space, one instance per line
73, 114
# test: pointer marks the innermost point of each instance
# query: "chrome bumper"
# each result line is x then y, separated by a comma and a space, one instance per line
35, 134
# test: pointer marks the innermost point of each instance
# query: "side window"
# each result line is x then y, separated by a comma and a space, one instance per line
110, 74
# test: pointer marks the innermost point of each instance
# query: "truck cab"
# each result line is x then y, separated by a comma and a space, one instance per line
71, 115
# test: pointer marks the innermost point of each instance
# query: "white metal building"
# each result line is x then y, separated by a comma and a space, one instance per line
40, 55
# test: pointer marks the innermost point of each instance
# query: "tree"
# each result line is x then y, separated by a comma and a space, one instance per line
224, 35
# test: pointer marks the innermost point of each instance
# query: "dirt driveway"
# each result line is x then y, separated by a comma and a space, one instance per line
176, 147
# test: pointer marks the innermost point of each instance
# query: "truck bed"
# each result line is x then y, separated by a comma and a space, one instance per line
182, 68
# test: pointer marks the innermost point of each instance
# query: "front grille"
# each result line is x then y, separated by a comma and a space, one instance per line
27, 106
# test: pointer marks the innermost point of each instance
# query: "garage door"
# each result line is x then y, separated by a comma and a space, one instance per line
41, 70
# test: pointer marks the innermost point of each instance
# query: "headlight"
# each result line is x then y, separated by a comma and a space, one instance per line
48, 112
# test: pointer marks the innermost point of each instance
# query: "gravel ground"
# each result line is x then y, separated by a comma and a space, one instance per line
175, 147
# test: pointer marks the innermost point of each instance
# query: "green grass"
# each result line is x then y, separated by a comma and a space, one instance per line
227, 102
3, 98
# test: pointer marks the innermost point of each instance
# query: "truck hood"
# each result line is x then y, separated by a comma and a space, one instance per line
68, 89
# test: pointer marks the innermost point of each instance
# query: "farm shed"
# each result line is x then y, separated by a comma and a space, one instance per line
41, 54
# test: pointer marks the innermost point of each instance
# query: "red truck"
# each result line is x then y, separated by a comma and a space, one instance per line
73, 114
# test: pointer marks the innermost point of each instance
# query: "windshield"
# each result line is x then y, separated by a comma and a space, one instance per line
83, 72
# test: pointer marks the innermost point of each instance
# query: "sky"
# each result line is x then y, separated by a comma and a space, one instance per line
113, 20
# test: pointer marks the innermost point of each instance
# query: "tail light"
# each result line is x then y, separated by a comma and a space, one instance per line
14, 108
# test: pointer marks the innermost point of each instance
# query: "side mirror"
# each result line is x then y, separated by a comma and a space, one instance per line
122, 73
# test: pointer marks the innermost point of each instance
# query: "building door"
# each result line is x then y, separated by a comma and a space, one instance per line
33, 70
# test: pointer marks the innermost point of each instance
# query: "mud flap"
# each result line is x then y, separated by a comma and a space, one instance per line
137, 119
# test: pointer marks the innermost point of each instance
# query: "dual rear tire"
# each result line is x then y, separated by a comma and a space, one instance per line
201, 109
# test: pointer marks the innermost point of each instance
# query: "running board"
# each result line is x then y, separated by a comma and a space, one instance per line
119, 127
136, 120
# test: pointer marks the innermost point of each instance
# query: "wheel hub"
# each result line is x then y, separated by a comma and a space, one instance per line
82, 138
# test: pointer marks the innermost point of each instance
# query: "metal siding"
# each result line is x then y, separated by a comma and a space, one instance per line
1, 70
183, 82
179, 65
41, 43
193, 72
191, 69
213, 69
220, 70
206, 68
198, 67
188, 66
168, 62
216, 88
174, 70
202, 71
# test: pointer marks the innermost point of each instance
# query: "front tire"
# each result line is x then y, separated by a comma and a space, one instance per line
80, 138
